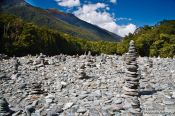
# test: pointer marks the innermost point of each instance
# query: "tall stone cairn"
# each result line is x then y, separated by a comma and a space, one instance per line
131, 92
42, 58
89, 57
16, 64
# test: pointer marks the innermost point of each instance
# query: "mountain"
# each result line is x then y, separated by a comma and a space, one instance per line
63, 22
158, 40
18, 37
73, 20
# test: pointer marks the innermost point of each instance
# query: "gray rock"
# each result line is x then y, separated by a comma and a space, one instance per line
2, 76
68, 105
97, 94
81, 110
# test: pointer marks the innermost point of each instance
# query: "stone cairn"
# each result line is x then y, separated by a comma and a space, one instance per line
42, 59
4, 107
63, 58
89, 57
35, 88
131, 91
39, 60
150, 63
103, 58
16, 64
90, 60
145, 79
3, 56
81, 72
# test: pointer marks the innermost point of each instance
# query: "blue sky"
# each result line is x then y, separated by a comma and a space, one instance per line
118, 16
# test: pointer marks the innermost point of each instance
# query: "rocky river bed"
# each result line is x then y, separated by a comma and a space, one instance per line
83, 85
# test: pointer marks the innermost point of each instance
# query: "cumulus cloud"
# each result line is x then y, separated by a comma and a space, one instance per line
91, 13
113, 1
126, 29
68, 3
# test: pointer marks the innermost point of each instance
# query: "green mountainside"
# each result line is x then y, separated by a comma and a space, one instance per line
45, 18
18, 37
73, 20
158, 40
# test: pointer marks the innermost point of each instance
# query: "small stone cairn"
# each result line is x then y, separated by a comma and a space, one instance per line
145, 79
103, 59
63, 58
90, 60
4, 107
150, 63
89, 57
131, 91
16, 64
81, 72
3, 56
40, 60
35, 88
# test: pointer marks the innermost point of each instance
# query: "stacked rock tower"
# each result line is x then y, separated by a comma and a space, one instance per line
131, 86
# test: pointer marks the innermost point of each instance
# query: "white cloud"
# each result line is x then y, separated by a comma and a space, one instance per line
103, 19
113, 1
121, 18
68, 3
126, 29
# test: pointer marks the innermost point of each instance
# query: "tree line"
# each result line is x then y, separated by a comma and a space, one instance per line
19, 38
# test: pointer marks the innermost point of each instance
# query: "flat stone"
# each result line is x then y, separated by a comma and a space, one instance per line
68, 105
131, 93
131, 79
96, 93
55, 109
63, 83
81, 110
90, 98
48, 101
117, 100
130, 90
169, 101
132, 68
82, 96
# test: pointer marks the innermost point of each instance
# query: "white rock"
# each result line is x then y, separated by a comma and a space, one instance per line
173, 95
14, 76
63, 83
68, 105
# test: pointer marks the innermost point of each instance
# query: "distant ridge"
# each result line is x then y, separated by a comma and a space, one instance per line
73, 20
60, 21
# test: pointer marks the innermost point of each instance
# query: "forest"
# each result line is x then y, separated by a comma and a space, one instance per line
18, 37
21, 38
